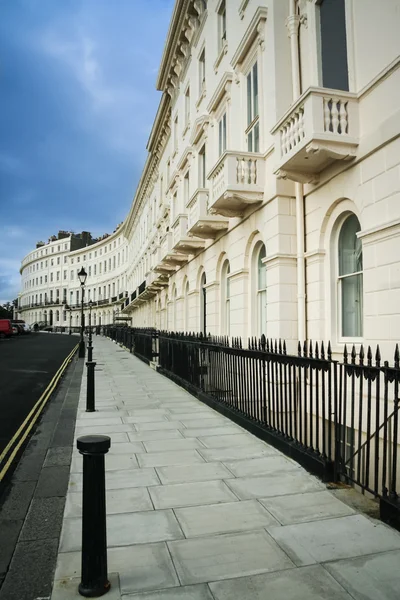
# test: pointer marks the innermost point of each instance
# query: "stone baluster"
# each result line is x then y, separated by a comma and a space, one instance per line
343, 123
327, 115
335, 116
253, 171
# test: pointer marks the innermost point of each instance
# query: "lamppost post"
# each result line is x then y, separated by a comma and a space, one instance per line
90, 345
82, 278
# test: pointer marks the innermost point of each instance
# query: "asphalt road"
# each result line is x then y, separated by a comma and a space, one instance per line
27, 365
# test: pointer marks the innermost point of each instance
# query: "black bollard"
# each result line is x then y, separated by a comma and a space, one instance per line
94, 577
90, 387
90, 350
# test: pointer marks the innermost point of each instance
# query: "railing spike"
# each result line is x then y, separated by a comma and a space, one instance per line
353, 355
284, 347
369, 356
378, 356
397, 356
305, 348
361, 355
276, 347
345, 354
322, 350
299, 348
267, 345
316, 350
263, 342
311, 350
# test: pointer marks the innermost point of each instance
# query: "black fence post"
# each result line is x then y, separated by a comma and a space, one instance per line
90, 387
94, 577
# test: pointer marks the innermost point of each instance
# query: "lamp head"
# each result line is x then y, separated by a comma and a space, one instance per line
82, 276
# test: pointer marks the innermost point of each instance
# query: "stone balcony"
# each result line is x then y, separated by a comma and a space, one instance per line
183, 241
319, 129
237, 181
168, 258
155, 282
200, 222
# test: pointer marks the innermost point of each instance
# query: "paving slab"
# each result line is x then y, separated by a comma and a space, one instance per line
333, 539
114, 462
237, 453
223, 518
145, 419
120, 479
117, 501
143, 567
67, 589
188, 592
160, 459
161, 434
219, 557
212, 431
190, 494
98, 422
309, 583
159, 425
277, 484
227, 441
374, 577
169, 445
262, 466
125, 529
300, 508
187, 474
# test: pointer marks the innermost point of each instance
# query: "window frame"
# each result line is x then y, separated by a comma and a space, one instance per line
252, 106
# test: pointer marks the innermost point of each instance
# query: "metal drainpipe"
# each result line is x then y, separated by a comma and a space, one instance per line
293, 23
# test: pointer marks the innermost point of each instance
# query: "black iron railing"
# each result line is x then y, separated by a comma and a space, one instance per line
340, 419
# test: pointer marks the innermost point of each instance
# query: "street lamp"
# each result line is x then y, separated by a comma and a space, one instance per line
82, 279
67, 307
90, 345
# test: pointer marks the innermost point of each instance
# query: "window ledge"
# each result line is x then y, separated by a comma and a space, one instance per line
222, 52
187, 127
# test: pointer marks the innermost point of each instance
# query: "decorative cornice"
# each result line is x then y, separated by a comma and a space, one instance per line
222, 89
255, 31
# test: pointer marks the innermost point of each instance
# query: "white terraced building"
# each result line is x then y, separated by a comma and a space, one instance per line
270, 198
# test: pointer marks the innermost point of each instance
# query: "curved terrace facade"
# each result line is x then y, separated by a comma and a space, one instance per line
268, 201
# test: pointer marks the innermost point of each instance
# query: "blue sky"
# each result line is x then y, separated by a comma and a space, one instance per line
77, 102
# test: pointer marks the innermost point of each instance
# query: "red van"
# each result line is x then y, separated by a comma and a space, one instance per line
5, 328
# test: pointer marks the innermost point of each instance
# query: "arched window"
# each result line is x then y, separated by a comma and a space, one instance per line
203, 304
225, 298
261, 292
350, 279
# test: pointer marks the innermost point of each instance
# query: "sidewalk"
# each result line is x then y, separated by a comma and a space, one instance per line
199, 509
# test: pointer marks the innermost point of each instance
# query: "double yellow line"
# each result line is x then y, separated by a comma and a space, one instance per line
20, 436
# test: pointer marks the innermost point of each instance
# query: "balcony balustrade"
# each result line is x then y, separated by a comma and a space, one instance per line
182, 241
319, 129
200, 222
237, 181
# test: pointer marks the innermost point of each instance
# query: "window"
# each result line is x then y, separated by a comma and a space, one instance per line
65, 259
202, 71
58, 260
52, 262
202, 167
333, 44
261, 292
350, 279
222, 134
253, 125
78, 259
226, 298
161, 196
221, 25
186, 188
94, 269
72, 276
187, 107
90, 271
186, 325
51, 276
58, 275
203, 304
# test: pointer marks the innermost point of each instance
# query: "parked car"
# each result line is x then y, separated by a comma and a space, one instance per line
5, 328
19, 326
15, 330
25, 327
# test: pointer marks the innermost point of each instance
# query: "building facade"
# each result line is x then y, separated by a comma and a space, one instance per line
270, 198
